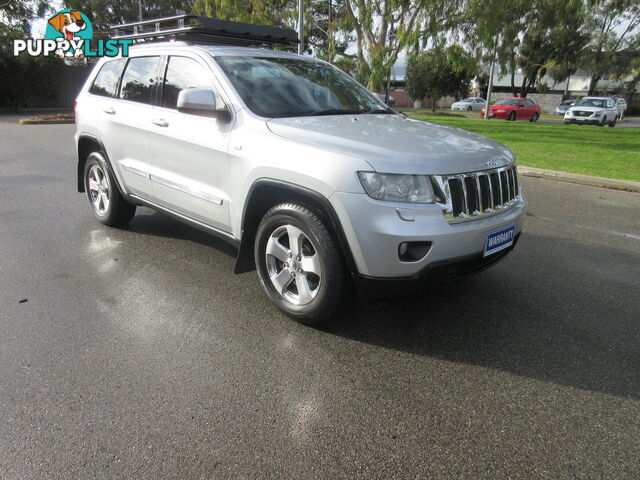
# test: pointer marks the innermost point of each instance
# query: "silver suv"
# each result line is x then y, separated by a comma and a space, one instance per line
317, 183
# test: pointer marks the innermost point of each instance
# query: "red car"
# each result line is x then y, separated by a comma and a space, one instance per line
514, 108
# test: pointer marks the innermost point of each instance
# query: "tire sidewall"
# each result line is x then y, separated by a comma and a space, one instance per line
287, 216
93, 160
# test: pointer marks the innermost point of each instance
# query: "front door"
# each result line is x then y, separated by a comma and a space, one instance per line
189, 152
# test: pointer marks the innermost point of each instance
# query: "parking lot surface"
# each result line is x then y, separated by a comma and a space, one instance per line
136, 353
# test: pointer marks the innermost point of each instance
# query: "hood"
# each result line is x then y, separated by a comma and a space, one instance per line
586, 108
461, 101
396, 144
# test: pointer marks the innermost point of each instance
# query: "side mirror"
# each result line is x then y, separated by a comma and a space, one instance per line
201, 101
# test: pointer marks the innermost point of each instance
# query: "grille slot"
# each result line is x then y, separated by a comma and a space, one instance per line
469, 196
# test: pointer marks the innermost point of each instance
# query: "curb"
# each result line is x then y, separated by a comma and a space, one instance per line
27, 121
625, 185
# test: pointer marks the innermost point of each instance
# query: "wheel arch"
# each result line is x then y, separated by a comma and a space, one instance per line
87, 144
265, 194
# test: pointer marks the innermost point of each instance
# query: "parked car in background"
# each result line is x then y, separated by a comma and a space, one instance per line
594, 111
621, 106
514, 108
391, 102
469, 104
564, 106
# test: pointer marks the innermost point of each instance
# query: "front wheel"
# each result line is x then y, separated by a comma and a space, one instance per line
534, 118
469, 108
299, 264
612, 123
512, 117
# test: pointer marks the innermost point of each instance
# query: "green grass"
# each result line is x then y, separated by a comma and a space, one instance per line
589, 150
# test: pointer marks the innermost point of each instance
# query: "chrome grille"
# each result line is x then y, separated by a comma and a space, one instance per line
470, 196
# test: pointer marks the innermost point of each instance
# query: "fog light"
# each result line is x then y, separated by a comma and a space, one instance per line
413, 251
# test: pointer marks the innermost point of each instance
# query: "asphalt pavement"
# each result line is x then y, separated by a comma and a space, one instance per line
136, 353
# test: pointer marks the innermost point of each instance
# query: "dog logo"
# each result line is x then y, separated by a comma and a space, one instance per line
72, 26
69, 34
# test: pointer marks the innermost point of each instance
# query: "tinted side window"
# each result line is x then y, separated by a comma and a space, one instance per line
529, 103
182, 73
139, 78
106, 82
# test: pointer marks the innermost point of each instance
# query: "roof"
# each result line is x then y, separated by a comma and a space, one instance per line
219, 50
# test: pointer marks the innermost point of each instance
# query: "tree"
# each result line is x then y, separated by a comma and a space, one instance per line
439, 72
326, 38
385, 27
104, 13
531, 34
613, 25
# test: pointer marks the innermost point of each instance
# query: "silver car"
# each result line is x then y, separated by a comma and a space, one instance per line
315, 182
469, 104
594, 111
621, 106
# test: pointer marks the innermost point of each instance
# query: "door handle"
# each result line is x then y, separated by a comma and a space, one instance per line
161, 122
110, 111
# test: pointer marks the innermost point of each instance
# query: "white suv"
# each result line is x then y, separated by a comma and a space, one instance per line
317, 183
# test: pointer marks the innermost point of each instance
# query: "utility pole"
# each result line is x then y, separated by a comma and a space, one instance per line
140, 10
330, 36
493, 63
301, 26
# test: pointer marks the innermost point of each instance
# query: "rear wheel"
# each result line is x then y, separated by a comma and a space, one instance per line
108, 205
299, 264
512, 117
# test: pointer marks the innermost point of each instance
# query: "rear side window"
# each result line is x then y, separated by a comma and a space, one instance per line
183, 73
139, 78
106, 82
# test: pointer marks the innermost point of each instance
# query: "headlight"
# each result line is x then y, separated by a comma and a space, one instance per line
568, 114
392, 187
501, 111
597, 114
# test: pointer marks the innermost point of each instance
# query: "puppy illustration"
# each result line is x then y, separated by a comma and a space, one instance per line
68, 24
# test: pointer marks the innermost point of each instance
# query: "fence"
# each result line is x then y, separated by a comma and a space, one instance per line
68, 84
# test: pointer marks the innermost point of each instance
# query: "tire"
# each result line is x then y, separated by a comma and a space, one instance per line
567, 123
534, 118
106, 201
603, 121
469, 108
307, 294
612, 123
512, 117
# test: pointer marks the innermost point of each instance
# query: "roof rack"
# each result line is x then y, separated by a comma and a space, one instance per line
200, 29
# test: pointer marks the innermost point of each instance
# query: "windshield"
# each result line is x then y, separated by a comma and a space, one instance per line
592, 102
506, 101
291, 87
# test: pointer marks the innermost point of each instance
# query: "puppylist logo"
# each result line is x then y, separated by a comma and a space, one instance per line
69, 34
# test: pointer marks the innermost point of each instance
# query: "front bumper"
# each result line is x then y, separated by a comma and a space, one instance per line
370, 288
583, 120
374, 231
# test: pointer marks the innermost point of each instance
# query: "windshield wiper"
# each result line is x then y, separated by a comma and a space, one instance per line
332, 111
379, 110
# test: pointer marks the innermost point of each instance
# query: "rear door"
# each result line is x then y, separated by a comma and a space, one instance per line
189, 152
124, 123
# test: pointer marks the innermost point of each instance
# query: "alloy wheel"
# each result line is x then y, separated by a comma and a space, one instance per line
99, 191
293, 265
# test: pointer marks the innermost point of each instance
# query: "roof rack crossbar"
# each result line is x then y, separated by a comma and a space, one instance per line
196, 28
